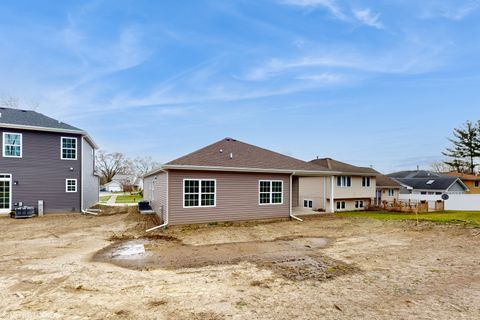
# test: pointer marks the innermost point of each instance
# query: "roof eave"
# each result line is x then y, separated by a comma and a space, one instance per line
239, 169
36, 128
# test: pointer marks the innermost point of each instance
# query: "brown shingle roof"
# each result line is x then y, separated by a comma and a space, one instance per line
342, 166
230, 153
463, 176
384, 181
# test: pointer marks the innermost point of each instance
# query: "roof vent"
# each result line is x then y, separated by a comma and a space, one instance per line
221, 150
0, 114
429, 182
230, 139
231, 155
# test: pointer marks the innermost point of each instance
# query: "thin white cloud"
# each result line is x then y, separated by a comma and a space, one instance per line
413, 57
448, 9
362, 16
366, 17
330, 5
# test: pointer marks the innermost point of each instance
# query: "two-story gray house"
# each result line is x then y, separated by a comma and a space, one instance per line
45, 162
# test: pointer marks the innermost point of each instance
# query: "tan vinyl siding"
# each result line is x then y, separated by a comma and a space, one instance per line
311, 188
155, 191
237, 197
356, 191
386, 197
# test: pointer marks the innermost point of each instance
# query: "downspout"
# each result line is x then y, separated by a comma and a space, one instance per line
291, 205
332, 194
81, 175
165, 224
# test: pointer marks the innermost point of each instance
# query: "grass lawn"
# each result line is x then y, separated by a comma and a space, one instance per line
104, 198
465, 217
131, 198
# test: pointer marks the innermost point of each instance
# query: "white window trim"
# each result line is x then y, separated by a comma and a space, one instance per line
367, 181
200, 193
357, 204
61, 148
66, 185
3, 145
271, 193
343, 182
8, 178
308, 200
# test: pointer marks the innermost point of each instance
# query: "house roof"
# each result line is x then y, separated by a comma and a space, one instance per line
431, 183
231, 154
384, 182
32, 120
464, 176
343, 167
414, 174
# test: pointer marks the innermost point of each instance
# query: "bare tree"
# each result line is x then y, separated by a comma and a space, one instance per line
440, 167
110, 164
13, 102
142, 165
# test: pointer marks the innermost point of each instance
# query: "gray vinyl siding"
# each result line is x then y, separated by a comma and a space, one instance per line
456, 187
40, 173
237, 197
155, 191
91, 183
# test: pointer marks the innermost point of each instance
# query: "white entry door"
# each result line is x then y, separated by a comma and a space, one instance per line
5, 193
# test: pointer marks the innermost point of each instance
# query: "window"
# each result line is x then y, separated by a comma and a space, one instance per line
69, 148
477, 184
366, 182
423, 192
359, 204
12, 145
199, 193
344, 181
341, 205
270, 192
71, 185
307, 203
391, 192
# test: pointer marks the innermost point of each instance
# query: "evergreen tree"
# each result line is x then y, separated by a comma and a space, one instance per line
465, 148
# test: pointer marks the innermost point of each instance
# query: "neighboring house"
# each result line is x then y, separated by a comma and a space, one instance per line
42, 159
228, 181
123, 182
353, 188
387, 189
472, 181
428, 183
113, 186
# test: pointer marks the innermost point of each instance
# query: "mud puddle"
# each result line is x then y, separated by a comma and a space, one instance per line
295, 258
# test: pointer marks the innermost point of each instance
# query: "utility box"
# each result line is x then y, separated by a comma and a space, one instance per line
40, 208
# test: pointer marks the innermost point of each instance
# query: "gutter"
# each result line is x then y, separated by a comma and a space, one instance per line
291, 205
238, 169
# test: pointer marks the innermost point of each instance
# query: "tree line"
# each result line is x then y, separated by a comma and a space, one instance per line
464, 153
110, 164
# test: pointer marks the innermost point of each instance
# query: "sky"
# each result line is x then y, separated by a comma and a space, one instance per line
372, 83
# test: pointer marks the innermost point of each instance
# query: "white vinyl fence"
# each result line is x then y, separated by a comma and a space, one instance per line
460, 202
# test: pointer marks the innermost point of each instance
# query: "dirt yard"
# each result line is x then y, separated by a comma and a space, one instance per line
80, 267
